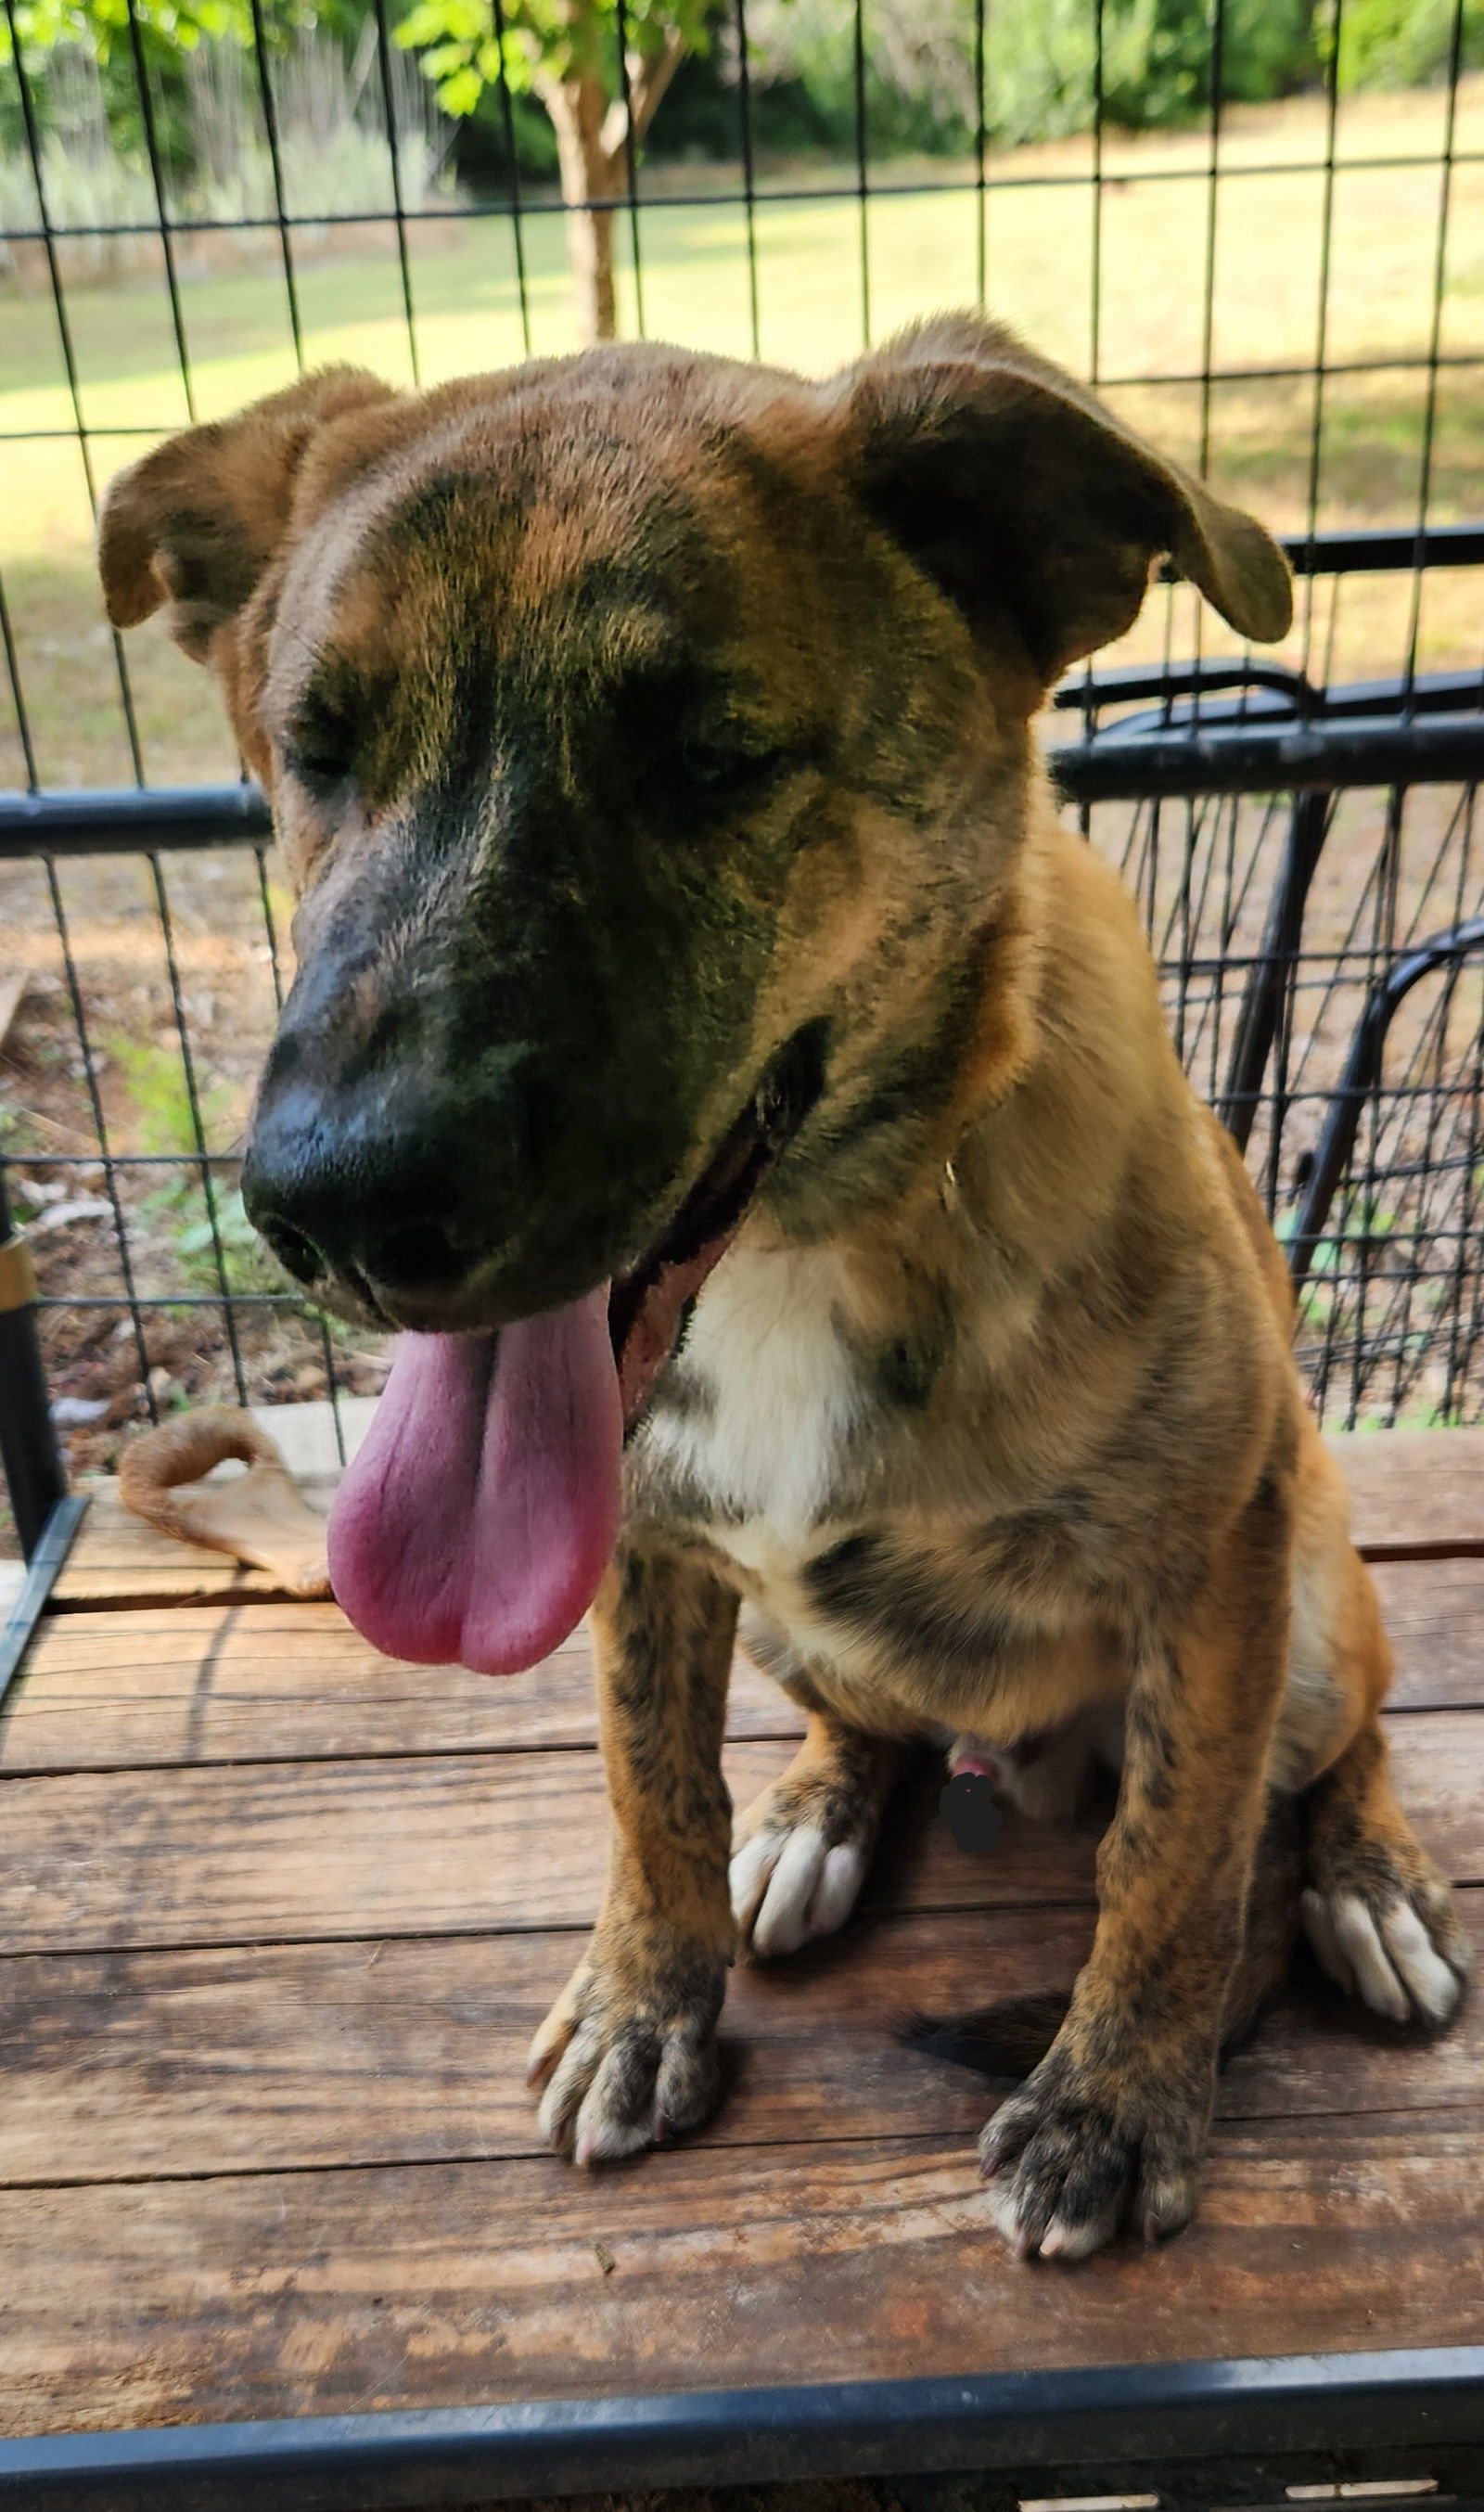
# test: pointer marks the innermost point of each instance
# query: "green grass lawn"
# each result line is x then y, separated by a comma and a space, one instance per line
924, 252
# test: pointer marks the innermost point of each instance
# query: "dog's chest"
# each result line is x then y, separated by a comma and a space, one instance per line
766, 1403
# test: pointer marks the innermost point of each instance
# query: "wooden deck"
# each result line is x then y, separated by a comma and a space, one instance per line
280, 1917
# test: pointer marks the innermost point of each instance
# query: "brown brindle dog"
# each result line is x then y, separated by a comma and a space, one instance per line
710, 1050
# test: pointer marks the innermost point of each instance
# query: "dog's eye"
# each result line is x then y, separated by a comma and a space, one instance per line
321, 751
728, 764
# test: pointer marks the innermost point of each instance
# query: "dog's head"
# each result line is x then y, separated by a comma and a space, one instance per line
648, 739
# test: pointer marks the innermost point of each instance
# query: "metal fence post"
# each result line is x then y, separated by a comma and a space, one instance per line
28, 1446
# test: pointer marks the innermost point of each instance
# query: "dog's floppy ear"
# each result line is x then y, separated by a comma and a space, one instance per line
196, 522
1030, 504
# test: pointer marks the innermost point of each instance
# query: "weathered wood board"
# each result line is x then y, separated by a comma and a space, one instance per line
151, 1685
291, 2294
281, 1915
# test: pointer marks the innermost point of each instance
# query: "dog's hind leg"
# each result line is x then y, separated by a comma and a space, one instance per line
800, 1849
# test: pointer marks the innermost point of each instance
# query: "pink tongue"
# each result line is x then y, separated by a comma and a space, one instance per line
476, 1520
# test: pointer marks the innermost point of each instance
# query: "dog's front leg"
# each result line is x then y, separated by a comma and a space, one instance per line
628, 2053
1112, 2123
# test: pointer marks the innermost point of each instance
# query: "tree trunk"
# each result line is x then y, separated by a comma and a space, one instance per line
577, 107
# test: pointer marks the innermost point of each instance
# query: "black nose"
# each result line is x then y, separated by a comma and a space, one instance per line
355, 1190
417, 1258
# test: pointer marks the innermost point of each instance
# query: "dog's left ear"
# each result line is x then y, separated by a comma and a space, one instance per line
1030, 504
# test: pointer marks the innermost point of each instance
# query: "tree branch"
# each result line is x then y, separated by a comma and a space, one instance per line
648, 78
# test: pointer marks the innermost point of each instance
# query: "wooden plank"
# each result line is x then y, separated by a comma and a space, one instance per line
128, 2066
160, 1685
431, 2286
445, 1844
169, 1684
1434, 1618
310, 2057
1415, 1492
458, 1843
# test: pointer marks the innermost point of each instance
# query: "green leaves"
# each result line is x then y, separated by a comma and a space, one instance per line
1402, 43
460, 51
544, 40
177, 25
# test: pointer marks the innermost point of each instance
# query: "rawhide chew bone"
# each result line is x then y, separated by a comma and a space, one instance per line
260, 1516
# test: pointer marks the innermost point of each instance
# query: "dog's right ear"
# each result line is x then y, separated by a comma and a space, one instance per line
197, 522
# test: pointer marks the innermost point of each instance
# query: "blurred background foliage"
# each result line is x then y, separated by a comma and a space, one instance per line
478, 95
1039, 75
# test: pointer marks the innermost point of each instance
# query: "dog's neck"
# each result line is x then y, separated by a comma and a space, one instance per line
964, 1189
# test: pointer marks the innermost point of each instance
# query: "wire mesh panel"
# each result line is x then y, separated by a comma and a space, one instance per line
1387, 1257
123, 1128
1286, 295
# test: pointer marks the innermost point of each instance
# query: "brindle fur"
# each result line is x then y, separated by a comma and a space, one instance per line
622, 715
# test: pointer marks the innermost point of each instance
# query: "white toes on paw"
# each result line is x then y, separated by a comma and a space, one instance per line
789, 1886
1435, 1986
1064, 2238
621, 2088
1361, 1945
609, 2125
1393, 1965
1004, 2211
568, 2082
1071, 2242
603, 2138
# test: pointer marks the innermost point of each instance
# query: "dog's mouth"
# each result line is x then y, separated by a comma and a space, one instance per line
475, 1524
649, 1304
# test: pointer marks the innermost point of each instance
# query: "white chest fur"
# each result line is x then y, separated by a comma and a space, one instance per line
778, 1397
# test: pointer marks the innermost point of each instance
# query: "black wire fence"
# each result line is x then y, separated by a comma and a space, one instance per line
1298, 827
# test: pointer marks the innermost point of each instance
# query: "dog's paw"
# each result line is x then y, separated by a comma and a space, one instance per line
800, 1851
790, 1885
1078, 2153
1377, 1913
1403, 1954
628, 2058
